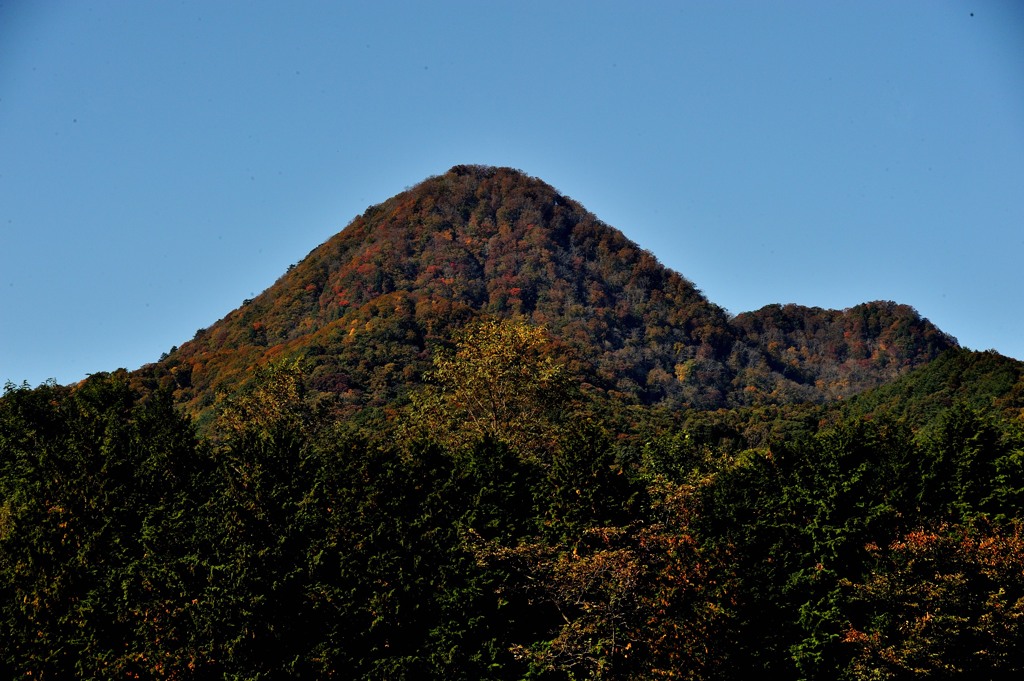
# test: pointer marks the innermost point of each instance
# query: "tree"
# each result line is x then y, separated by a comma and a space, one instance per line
632, 602
942, 603
500, 381
967, 467
274, 402
99, 491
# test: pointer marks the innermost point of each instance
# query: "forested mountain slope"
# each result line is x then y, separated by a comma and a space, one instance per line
368, 307
807, 353
978, 380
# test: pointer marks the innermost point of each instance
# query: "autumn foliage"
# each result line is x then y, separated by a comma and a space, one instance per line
369, 307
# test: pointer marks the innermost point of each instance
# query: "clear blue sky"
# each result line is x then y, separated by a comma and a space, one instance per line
162, 161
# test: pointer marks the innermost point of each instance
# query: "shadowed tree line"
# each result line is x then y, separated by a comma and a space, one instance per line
504, 522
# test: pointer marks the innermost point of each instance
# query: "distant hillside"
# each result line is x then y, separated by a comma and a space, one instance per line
986, 381
368, 307
803, 354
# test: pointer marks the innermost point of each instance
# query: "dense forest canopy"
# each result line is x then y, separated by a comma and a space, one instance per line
481, 435
505, 523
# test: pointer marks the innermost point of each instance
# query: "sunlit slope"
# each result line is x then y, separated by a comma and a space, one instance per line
367, 307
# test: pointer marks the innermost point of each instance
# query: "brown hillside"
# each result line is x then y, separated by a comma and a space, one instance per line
367, 307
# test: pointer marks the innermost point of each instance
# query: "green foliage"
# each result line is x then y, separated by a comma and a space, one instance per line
97, 563
290, 544
979, 380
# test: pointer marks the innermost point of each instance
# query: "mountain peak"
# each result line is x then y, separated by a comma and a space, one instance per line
368, 307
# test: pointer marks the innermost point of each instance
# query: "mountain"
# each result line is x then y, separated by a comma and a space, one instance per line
853, 512
368, 307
